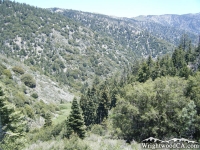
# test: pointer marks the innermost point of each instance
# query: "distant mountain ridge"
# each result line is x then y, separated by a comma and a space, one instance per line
187, 22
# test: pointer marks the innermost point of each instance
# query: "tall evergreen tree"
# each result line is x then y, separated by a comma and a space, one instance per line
104, 106
149, 61
75, 121
178, 58
198, 48
156, 70
88, 107
144, 73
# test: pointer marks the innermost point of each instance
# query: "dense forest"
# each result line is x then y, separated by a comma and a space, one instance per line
119, 98
155, 98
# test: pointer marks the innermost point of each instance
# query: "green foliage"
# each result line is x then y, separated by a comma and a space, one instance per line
89, 109
43, 134
18, 70
12, 125
34, 95
29, 111
75, 122
74, 143
158, 109
192, 91
28, 80
144, 73
104, 106
178, 58
7, 73
48, 121
188, 117
98, 129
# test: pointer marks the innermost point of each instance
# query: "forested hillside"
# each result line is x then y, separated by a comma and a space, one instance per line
154, 99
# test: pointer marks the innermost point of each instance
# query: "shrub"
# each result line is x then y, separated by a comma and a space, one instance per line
28, 80
75, 143
29, 111
7, 73
35, 95
18, 70
98, 129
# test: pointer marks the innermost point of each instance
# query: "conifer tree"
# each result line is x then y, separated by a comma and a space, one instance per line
12, 124
88, 107
104, 106
113, 98
144, 73
75, 121
149, 61
178, 58
198, 48
156, 71
188, 55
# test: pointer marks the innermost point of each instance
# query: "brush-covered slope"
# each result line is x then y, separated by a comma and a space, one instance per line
168, 28
60, 47
127, 34
32, 93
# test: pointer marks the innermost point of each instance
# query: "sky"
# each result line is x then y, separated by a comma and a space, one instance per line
122, 8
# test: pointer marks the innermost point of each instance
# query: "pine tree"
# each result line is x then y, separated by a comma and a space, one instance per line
75, 121
156, 71
149, 61
104, 106
12, 124
178, 58
144, 73
88, 107
198, 48
188, 55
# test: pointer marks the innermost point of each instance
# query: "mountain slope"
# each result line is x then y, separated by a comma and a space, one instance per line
167, 33
58, 46
170, 27
187, 22
129, 35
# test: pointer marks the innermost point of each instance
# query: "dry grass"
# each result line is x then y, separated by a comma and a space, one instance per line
93, 142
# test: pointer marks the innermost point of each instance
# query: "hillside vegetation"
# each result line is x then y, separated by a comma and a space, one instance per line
124, 32
76, 80
59, 47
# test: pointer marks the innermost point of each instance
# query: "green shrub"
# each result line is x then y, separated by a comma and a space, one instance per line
29, 111
98, 129
18, 70
74, 143
7, 73
28, 80
57, 129
34, 95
